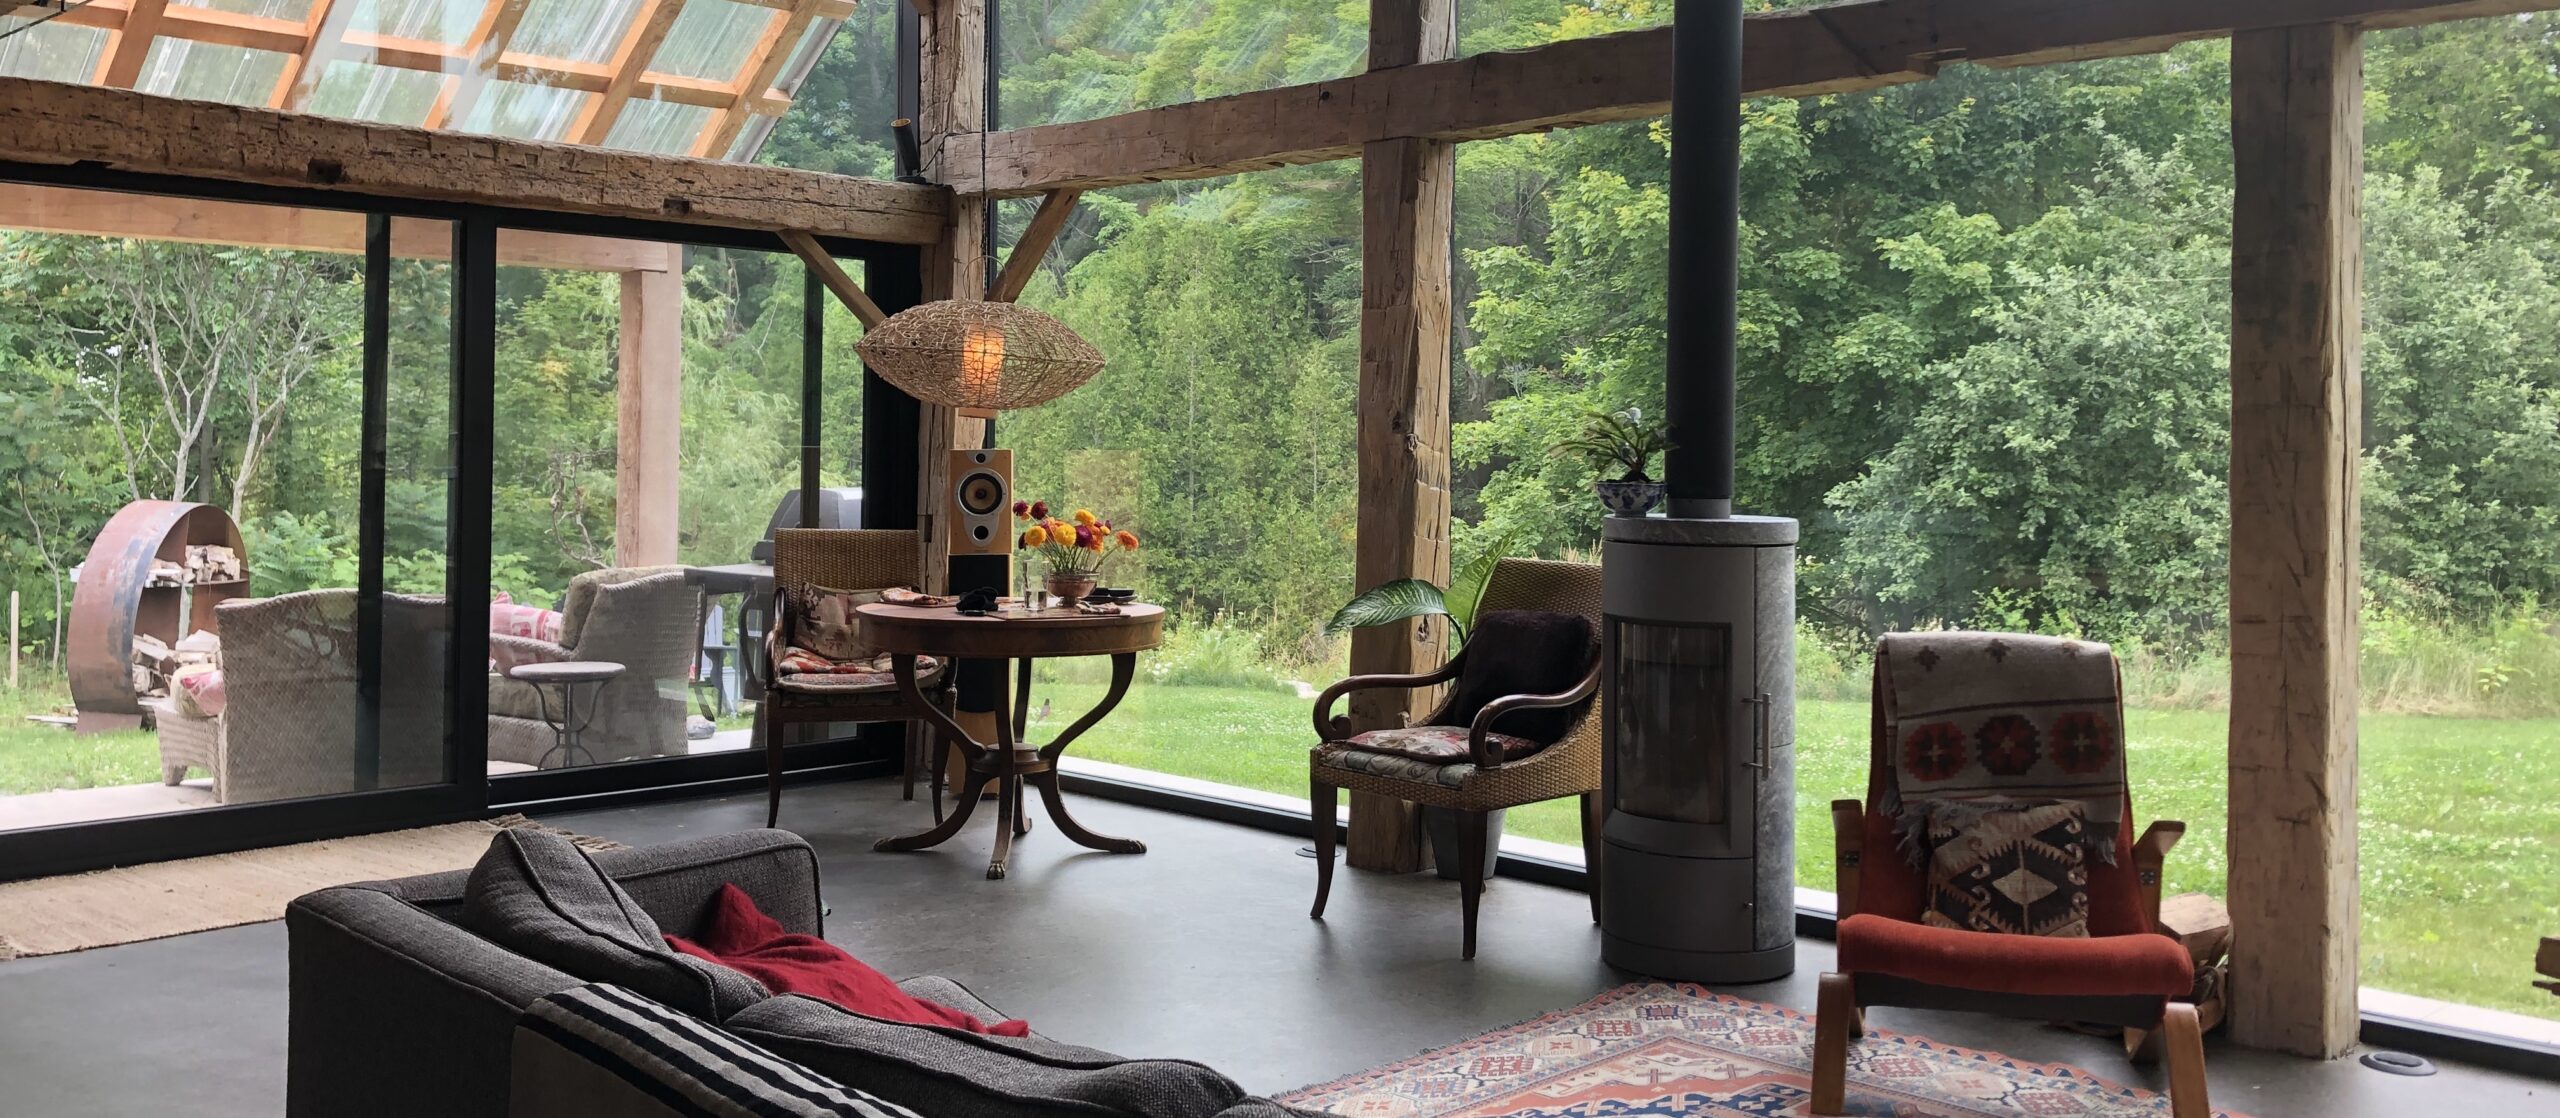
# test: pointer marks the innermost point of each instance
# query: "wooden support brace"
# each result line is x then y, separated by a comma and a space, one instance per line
833, 275
1055, 208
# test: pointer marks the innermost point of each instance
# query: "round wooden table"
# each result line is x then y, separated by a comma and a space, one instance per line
906, 632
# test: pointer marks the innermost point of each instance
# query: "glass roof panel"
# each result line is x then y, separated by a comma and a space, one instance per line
442, 21
211, 72
273, 9
577, 30
805, 53
52, 51
663, 127
526, 112
363, 91
712, 39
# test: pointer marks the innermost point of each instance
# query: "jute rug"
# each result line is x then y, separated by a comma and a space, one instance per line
75, 912
1655, 1049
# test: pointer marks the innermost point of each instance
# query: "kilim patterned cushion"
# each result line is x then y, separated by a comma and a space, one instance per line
2015, 867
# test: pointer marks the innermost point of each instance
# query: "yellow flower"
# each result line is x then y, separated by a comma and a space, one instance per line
1061, 531
1085, 516
1035, 536
1128, 540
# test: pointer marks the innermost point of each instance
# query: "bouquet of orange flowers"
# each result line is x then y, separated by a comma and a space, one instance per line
1076, 545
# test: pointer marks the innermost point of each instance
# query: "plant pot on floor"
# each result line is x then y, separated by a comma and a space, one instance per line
1440, 825
1628, 498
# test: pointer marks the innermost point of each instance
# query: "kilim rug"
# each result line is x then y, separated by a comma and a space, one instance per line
1655, 1049
75, 912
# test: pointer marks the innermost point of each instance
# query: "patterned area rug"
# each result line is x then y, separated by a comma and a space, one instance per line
1654, 1049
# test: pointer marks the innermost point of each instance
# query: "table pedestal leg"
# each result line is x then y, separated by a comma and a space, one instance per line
1076, 832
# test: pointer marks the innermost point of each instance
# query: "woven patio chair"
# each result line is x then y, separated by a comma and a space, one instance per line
289, 727
647, 619
1481, 781
1988, 722
839, 559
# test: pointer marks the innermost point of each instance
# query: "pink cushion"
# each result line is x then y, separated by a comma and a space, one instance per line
200, 691
507, 619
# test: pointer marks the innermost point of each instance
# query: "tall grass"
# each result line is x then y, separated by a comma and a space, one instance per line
1214, 653
2411, 663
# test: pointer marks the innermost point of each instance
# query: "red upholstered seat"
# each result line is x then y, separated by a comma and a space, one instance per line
2137, 964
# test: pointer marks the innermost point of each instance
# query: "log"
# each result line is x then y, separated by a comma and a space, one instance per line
50, 122
2199, 923
1798, 52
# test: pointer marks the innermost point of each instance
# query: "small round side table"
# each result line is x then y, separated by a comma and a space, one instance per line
568, 676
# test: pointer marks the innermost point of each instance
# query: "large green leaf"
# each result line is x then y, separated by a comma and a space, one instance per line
1466, 589
1401, 600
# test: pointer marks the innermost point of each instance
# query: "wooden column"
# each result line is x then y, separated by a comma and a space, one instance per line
1404, 406
2297, 128
953, 69
651, 431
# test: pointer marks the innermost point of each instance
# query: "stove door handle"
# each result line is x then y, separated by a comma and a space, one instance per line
1760, 743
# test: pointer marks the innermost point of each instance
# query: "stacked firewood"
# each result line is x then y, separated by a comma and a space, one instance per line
2203, 926
155, 661
205, 563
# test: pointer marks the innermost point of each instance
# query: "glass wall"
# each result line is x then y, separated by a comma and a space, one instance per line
1221, 433
187, 407
649, 427
2459, 787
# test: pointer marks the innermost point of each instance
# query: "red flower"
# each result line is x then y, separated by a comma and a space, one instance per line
1934, 751
2081, 743
1021, 509
1084, 535
2008, 744
1039, 510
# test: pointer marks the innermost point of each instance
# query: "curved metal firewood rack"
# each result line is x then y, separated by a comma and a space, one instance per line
116, 598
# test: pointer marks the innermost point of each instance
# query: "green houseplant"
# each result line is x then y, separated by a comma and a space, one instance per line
1622, 443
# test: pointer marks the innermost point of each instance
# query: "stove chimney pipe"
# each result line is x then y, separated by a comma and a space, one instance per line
1705, 241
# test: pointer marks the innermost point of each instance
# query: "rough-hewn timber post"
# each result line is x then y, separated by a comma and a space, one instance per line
650, 389
1404, 404
2297, 133
953, 69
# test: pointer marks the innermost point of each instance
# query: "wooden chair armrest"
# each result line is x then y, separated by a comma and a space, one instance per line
2150, 853
1332, 727
1480, 732
1849, 845
776, 634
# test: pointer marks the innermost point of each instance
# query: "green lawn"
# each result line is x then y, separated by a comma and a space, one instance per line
35, 757
2460, 828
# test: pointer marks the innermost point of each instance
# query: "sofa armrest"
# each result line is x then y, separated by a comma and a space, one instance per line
395, 1012
509, 650
677, 881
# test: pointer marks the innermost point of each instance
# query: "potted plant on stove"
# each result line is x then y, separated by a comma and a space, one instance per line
1073, 548
1623, 443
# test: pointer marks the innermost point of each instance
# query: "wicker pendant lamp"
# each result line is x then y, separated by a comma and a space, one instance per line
979, 357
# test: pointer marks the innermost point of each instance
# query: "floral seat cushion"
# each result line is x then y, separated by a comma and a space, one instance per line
799, 669
1423, 754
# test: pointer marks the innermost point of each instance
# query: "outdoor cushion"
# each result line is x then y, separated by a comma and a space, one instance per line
1996, 962
852, 678
824, 622
739, 936
1439, 745
198, 690
2017, 867
937, 1070
536, 894
1523, 652
1393, 767
508, 619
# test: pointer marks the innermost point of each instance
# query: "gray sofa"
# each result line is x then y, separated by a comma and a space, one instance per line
398, 1009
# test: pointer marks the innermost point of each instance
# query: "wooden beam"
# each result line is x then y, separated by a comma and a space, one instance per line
833, 276
1051, 219
51, 122
952, 73
631, 57
765, 61
121, 63
1403, 436
1833, 49
2297, 136
649, 438
155, 217
323, 32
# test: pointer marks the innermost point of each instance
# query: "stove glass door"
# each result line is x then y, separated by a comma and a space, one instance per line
1673, 687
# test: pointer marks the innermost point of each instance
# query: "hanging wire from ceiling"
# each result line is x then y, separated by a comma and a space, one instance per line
53, 10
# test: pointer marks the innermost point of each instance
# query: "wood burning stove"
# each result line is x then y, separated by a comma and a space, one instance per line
1697, 859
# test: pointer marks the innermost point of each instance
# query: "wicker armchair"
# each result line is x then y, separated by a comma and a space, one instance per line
289, 727
1484, 783
647, 619
839, 559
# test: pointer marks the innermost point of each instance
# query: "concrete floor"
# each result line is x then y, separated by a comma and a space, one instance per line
1200, 948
